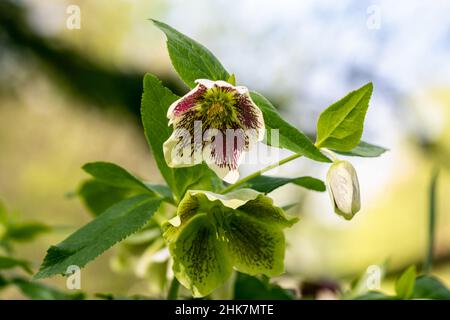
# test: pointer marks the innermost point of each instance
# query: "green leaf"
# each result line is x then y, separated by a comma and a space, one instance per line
375, 295
404, 286
190, 59
159, 189
289, 137
252, 288
113, 184
340, 126
27, 231
361, 285
98, 197
20, 232
267, 184
432, 213
429, 287
115, 176
232, 79
289, 206
156, 100
364, 149
10, 263
3, 282
38, 291
112, 226
200, 261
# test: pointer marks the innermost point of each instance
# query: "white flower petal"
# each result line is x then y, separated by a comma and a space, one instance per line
242, 89
162, 255
170, 111
223, 172
175, 221
172, 156
260, 118
206, 82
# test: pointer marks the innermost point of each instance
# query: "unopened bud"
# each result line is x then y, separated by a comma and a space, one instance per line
343, 187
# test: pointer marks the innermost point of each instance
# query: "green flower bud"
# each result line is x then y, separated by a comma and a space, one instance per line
343, 187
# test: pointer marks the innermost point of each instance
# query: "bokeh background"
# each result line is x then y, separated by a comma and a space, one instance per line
70, 96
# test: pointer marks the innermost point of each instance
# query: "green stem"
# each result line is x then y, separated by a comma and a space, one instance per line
173, 290
431, 223
260, 172
330, 153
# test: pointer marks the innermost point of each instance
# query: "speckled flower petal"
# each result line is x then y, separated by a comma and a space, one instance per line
213, 233
215, 122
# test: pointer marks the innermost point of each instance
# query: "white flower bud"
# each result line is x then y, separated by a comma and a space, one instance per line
343, 187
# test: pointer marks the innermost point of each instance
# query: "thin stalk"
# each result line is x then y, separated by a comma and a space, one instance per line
431, 222
173, 290
260, 172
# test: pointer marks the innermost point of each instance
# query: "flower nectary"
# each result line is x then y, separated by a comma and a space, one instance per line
215, 122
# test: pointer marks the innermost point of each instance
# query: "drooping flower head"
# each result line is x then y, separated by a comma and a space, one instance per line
343, 187
215, 122
212, 234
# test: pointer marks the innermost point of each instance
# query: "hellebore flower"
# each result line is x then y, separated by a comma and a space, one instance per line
215, 122
343, 187
214, 233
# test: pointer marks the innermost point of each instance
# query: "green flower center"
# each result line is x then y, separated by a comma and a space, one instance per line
218, 107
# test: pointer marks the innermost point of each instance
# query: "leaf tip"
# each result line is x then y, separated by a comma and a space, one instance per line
87, 166
160, 25
38, 275
154, 21
368, 86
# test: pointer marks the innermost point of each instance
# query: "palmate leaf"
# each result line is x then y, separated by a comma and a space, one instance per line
216, 232
267, 184
156, 100
190, 59
112, 226
340, 126
289, 137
